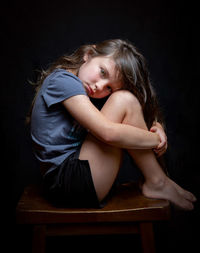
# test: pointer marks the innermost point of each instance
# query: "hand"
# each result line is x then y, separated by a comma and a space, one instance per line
162, 147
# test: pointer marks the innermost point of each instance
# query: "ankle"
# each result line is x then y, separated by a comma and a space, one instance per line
156, 182
152, 188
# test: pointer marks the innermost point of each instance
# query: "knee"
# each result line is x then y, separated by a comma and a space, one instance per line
122, 106
132, 109
127, 99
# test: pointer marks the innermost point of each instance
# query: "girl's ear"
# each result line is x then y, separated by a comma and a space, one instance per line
88, 55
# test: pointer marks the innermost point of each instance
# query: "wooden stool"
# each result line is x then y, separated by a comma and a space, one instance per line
128, 211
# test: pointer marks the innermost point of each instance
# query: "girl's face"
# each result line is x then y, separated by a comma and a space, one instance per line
99, 76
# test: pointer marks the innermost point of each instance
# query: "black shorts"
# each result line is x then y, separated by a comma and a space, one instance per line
71, 184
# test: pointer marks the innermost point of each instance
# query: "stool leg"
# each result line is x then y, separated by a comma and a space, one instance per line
147, 237
38, 243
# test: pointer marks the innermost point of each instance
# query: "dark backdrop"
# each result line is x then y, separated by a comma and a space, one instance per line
36, 33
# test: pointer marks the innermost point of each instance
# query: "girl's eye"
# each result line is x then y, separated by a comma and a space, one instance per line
103, 72
109, 89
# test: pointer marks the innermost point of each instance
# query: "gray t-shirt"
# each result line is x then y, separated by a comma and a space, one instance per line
54, 132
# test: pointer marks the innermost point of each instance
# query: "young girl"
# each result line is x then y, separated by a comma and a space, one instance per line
80, 147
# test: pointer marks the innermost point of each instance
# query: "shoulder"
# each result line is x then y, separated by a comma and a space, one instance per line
63, 75
61, 80
61, 85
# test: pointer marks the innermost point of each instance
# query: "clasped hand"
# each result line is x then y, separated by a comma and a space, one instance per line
162, 147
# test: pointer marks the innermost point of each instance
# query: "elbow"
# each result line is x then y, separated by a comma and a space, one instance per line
109, 136
105, 133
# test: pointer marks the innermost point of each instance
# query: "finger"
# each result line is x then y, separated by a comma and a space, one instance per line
158, 154
160, 151
161, 145
153, 129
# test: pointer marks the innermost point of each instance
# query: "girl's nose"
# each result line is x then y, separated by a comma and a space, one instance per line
100, 86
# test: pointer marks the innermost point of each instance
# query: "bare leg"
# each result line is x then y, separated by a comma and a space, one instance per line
105, 160
157, 184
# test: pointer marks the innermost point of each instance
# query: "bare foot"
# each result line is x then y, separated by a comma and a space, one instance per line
168, 189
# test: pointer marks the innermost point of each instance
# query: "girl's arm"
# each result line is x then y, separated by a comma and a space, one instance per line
120, 135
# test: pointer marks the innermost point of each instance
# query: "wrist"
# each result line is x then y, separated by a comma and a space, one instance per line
157, 140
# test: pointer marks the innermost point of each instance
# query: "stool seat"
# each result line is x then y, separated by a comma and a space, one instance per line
127, 211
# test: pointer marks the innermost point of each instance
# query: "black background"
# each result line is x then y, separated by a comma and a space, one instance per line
35, 33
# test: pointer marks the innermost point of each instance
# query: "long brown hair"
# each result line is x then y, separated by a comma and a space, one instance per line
132, 68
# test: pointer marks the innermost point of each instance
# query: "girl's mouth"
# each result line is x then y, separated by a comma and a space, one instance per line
91, 92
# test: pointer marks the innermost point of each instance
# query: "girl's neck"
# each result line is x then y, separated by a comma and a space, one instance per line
73, 71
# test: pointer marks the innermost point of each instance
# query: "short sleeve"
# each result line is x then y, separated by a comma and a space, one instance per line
61, 85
